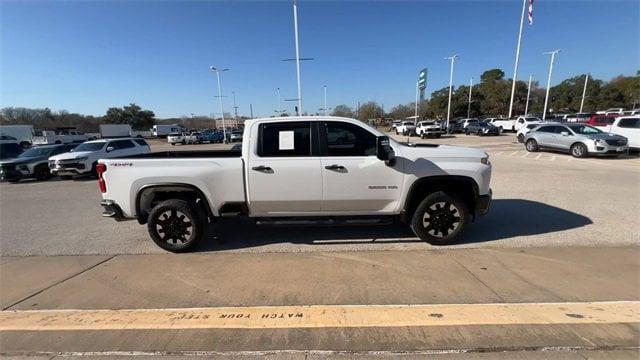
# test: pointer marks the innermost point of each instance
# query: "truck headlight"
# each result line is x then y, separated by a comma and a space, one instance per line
485, 159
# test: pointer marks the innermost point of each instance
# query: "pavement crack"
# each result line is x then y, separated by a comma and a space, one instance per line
59, 282
477, 278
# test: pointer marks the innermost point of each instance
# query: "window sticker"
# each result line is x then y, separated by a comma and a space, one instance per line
285, 140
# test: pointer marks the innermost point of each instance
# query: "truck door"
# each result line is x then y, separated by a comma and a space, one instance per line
284, 170
354, 180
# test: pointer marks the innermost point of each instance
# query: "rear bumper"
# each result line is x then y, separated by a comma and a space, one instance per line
483, 203
112, 210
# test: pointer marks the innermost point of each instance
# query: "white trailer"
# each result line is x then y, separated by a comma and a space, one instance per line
115, 130
22, 133
164, 130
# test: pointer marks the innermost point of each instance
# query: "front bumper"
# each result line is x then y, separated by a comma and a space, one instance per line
483, 203
68, 168
606, 149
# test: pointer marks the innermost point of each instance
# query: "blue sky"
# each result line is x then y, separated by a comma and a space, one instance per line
85, 56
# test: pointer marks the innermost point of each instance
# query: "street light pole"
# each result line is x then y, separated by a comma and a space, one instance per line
295, 24
415, 118
526, 106
469, 106
235, 107
584, 91
546, 97
452, 59
218, 71
515, 68
325, 100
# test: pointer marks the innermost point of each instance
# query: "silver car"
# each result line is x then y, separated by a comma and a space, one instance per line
579, 139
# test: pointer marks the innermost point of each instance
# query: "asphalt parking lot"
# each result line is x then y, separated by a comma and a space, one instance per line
540, 199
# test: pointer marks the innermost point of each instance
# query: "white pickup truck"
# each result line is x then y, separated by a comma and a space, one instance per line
299, 170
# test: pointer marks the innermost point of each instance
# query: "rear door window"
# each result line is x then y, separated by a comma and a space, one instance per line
285, 139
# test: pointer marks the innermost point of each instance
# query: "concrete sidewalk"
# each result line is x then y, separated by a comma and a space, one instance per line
464, 276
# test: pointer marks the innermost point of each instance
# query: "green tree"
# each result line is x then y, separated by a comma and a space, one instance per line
131, 114
343, 110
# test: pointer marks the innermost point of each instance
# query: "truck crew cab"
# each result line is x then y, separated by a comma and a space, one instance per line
324, 170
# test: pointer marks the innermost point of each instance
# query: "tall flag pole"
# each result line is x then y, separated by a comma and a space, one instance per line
515, 69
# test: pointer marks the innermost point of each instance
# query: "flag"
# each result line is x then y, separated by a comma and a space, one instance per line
530, 12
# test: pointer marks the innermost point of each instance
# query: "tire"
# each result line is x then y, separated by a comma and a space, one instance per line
439, 218
66, 177
176, 225
42, 173
532, 145
520, 138
466, 132
184, 142
94, 172
438, 135
579, 150
422, 136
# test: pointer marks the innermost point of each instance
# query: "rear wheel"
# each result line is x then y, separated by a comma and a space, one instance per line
531, 145
439, 218
579, 150
176, 225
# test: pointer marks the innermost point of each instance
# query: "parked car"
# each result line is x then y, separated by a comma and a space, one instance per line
288, 172
428, 128
580, 117
83, 159
236, 136
525, 129
504, 124
467, 122
614, 111
33, 163
580, 140
23, 134
10, 149
211, 136
524, 120
601, 120
481, 129
395, 124
455, 126
406, 128
629, 127
182, 138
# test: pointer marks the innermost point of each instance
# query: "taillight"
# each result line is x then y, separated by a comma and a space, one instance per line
101, 169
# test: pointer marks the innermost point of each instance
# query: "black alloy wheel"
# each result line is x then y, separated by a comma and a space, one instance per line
176, 225
439, 218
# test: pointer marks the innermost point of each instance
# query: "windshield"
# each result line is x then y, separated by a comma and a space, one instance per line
36, 152
585, 129
89, 147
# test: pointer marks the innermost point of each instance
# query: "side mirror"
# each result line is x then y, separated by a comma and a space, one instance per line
565, 133
384, 151
109, 148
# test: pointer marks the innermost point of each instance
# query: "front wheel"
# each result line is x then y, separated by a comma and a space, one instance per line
531, 145
42, 173
439, 218
520, 138
579, 150
176, 225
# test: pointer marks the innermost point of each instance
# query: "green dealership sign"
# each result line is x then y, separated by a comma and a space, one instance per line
422, 79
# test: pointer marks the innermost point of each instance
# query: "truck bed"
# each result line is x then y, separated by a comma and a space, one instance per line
188, 154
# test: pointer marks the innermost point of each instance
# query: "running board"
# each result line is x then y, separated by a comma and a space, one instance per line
324, 221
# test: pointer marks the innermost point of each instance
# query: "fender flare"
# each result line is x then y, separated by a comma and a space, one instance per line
142, 218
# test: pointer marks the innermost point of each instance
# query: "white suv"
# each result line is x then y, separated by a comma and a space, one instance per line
83, 159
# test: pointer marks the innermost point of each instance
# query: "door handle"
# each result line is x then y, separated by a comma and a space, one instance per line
262, 168
335, 167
